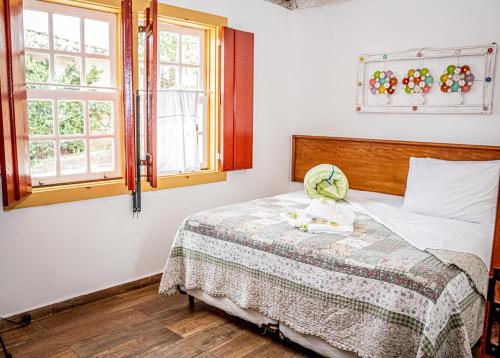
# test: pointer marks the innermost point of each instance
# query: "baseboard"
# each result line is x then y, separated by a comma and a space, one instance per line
48, 310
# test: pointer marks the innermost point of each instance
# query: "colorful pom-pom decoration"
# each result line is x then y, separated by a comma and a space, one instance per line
456, 79
418, 80
383, 82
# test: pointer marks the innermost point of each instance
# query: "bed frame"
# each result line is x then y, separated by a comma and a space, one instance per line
382, 166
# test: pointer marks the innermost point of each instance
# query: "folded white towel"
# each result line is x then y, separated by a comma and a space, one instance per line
322, 209
323, 218
330, 229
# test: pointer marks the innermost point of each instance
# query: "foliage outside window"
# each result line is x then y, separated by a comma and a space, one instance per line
73, 105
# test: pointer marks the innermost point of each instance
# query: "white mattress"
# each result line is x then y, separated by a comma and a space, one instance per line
352, 196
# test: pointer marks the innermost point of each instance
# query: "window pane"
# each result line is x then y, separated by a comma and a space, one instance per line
37, 67
201, 149
96, 37
72, 157
36, 29
101, 117
190, 50
71, 118
66, 33
41, 117
169, 47
101, 155
67, 69
97, 72
169, 76
42, 159
190, 78
141, 65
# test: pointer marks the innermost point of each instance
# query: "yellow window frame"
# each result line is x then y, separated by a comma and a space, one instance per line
212, 25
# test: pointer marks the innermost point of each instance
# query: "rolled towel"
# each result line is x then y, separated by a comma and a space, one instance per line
326, 181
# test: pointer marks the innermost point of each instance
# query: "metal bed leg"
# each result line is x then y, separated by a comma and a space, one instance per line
4, 348
191, 301
271, 330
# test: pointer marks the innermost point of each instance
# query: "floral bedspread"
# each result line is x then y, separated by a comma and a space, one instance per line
371, 292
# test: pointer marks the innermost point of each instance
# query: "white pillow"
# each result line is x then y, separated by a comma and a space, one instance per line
455, 162
466, 191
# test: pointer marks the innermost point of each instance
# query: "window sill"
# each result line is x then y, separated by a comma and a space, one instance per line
85, 191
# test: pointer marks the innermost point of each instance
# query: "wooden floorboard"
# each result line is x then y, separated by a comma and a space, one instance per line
140, 323
49, 310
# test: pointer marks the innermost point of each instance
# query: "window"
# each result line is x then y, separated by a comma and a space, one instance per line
73, 103
183, 117
182, 84
81, 126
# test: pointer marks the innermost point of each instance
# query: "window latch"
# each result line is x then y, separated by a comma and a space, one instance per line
145, 29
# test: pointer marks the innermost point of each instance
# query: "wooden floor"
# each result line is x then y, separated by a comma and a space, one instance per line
142, 324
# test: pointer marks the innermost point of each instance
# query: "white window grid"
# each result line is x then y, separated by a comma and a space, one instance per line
56, 93
203, 125
186, 31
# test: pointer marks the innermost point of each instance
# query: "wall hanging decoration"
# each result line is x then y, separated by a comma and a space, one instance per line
418, 82
456, 80
383, 84
465, 76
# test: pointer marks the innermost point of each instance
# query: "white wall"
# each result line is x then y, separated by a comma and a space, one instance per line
51, 253
329, 40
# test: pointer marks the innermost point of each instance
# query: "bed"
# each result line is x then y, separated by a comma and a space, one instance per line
373, 293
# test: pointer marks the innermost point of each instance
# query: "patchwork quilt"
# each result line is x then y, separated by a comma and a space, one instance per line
371, 292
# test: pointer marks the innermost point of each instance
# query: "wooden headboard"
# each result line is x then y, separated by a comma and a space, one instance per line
382, 166
373, 164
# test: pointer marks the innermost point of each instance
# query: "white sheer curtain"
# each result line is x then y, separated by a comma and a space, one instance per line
178, 112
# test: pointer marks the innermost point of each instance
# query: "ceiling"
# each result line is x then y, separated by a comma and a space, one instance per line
302, 4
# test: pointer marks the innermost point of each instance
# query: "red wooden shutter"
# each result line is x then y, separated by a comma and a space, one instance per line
128, 92
14, 140
237, 98
488, 335
151, 87
227, 43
